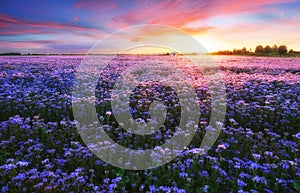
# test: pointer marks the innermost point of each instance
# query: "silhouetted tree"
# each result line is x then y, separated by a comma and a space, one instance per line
274, 48
237, 51
291, 51
282, 49
11, 53
267, 49
259, 49
244, 50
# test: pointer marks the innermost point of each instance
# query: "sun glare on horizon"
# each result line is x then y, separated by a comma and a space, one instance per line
209, 43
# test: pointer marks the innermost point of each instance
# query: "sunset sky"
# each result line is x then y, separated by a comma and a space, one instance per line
75, 26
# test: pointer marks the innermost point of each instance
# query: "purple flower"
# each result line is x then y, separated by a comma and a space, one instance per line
241, 183
268, 153
256, 156
152, 188
183, 175
20, 177
39, 185
4, 189
285, 166
259, 179
8, 167
116, 180
205, 188
268, 191
10, 160
22, 163
203, 174
45, 161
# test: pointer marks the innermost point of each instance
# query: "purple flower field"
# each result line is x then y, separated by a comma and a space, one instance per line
257, 150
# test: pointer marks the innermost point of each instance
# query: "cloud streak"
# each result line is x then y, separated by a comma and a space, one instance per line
14, 26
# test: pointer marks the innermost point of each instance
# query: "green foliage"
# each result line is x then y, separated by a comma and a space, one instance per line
296, 186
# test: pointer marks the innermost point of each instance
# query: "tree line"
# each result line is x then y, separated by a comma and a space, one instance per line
10, 54
259, 50
282, 49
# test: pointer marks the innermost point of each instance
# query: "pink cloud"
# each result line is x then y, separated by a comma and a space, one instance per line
218, 7
43, 46
4, 18
13, 26
11, 31
197, 30
24, 45
178, 13
75, 19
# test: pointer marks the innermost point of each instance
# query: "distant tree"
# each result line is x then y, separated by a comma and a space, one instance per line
282, 49
223, 52
274, 48
11, 54
259, 49
244, 50
237, 51
267, 49
291, 51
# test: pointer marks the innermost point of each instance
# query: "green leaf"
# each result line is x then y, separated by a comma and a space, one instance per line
296, 186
